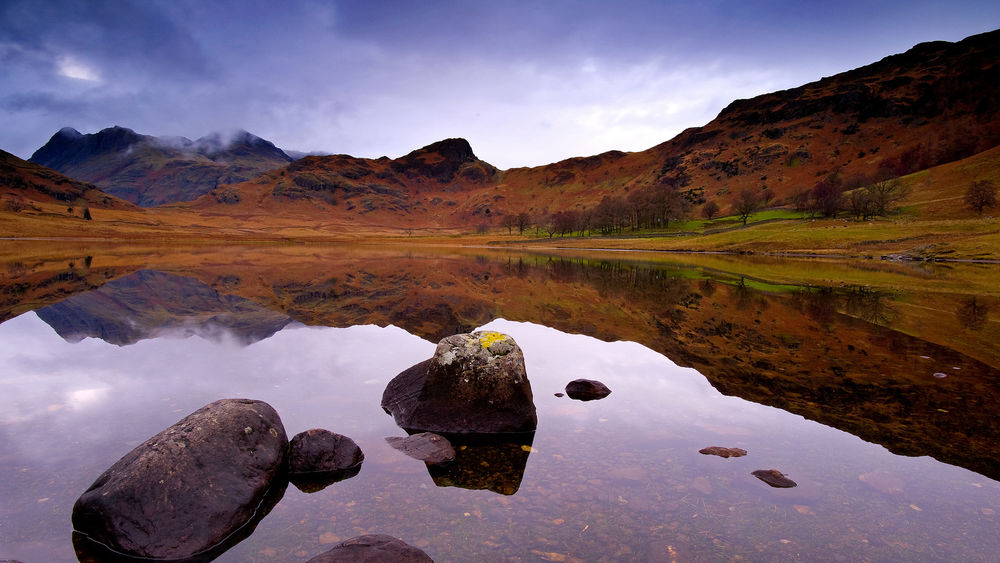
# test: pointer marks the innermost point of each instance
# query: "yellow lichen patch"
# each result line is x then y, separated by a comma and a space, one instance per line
489, 338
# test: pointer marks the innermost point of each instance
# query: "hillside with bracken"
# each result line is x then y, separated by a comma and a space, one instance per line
934, 104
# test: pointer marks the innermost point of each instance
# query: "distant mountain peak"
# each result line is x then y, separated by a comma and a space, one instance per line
455, 149
150, 170
69, 133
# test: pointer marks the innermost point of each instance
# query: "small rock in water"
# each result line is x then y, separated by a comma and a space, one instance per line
372, 547
559, 395
320, 450
723, 452
774, 478
940, 375
587, 390
882, 481
318, 458
425, 446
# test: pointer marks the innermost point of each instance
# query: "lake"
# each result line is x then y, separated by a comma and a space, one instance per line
875, 386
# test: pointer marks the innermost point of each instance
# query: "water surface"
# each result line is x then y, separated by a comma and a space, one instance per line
878, 401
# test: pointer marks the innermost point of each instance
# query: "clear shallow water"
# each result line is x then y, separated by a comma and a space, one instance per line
615, 479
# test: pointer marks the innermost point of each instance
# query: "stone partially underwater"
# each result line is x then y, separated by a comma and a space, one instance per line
318, 458
475, 384
189, 492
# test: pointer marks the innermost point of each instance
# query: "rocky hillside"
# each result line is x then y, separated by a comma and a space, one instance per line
24, 184
429, 185
936, 103
149, 170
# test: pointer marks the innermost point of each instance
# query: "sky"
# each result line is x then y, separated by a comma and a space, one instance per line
526, 82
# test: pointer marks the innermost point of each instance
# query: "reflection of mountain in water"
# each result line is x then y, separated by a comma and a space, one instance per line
855, 358
829, 354
147, 304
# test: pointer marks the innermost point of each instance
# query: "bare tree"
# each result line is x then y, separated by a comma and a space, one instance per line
710, 210
885, 194
828, 196
15, 203
523, 220
510, 221
747, 203
981, 195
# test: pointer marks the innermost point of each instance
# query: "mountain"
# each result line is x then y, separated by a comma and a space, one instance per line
427, 186
24, 184
933, 104
148, 304
149, 170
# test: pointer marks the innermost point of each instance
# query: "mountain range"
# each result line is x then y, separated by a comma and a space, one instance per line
934, 104
148, 170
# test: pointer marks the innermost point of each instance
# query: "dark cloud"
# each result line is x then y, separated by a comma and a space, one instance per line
527, 82
122, 37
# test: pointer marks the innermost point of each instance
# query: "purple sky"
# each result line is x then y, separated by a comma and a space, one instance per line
526, 83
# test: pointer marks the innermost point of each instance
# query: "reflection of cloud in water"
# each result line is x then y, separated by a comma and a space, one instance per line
83, 398
50, 386
647, 388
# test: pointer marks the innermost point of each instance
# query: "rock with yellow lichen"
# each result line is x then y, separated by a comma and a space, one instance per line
475, 384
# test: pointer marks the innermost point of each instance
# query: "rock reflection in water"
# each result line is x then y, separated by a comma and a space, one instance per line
493, 463
90, 551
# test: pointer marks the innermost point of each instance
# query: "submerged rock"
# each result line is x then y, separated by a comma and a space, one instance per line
425, 446
374, 548
774, 478
475, 384
882, 481
587, 390
318, 458
489, 463
723, 452
188, 488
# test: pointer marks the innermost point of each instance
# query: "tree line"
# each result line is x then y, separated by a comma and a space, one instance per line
655, 207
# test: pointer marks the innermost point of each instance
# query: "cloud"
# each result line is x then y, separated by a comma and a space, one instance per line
72, 68
526, 82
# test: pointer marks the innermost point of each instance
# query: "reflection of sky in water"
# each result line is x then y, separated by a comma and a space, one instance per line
618, 478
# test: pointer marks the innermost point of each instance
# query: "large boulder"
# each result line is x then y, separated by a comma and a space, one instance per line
372, 548
475, 384
188, 488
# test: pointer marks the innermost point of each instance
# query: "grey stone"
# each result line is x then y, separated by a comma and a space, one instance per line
372, 548
188, 488
587, 390
425, 446
475, 384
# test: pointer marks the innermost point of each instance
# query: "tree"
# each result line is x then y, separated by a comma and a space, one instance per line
509, 221
885, 193
710, 210
828, 196
747, 203
565, 222
522, 221
15, 203
860, 204
981, 195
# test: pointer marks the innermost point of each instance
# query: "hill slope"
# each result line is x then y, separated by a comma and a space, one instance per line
935, 104
24, 184
149, 170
